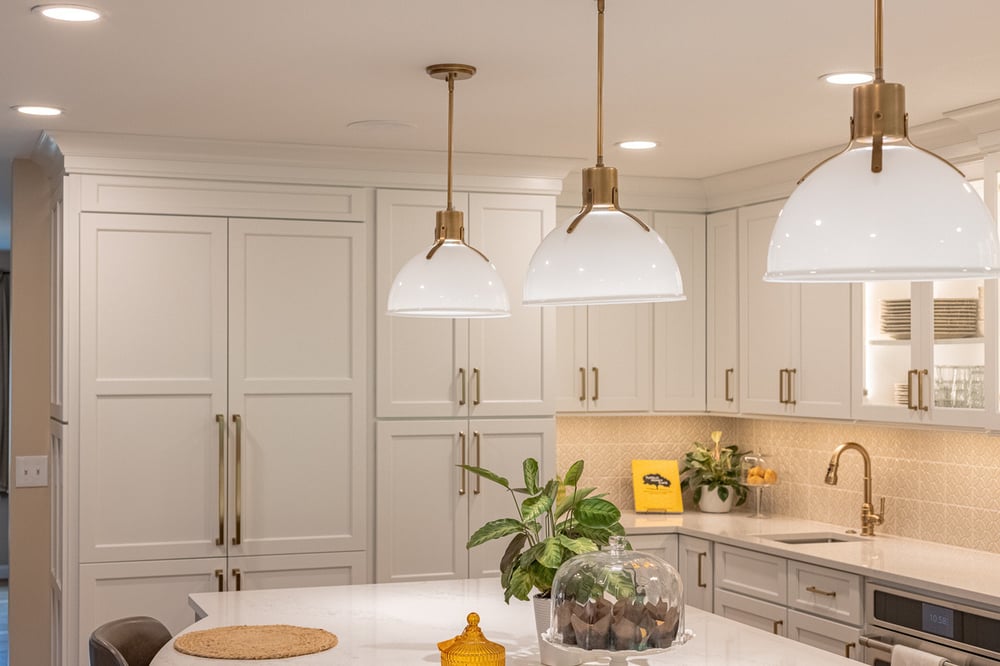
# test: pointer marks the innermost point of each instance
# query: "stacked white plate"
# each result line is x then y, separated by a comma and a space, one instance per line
901, 394
953, 318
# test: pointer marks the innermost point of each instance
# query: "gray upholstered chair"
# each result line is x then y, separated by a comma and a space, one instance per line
130, 641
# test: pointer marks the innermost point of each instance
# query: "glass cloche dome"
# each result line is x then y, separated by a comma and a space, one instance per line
617, 600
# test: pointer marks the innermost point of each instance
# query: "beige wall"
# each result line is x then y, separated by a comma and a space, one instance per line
29, 507
939, 485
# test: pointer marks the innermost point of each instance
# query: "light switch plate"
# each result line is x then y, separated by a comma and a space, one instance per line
31, 471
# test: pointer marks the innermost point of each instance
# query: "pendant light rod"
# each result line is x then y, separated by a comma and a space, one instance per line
878, 42
451, 132
600, 83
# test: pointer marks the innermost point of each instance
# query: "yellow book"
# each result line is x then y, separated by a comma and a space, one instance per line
656, 485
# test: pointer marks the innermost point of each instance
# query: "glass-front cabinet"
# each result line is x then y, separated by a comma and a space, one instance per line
927, 351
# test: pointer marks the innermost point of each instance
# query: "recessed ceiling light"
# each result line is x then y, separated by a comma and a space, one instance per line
32, 110
72, 13
847, 78
636, 145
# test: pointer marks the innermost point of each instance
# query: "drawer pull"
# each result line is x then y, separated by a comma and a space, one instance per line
847, 649
777, 625
816, 590
701, 559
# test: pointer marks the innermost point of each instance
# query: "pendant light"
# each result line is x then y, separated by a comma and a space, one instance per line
450, 279
603, 254
882, 209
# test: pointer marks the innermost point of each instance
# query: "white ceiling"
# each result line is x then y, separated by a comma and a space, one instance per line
722, 85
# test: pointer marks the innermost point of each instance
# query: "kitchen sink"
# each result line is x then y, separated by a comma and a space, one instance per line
811, 537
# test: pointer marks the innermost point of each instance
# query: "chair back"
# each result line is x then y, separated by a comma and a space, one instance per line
129, 641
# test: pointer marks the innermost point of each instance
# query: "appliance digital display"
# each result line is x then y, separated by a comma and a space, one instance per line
938, 620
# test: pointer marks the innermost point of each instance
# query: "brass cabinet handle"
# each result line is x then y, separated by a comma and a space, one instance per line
816, 590
221, 577
220, 419
597, 380
238, 539
479, 386
461, 380
583, 384
777, 625
909, 389
701, 559
479, 459
462, 474
791, 386
729, 374
239, 579
920, 390
781, 386
847, 649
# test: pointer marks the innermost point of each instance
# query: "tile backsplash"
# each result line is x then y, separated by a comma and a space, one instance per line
939, 485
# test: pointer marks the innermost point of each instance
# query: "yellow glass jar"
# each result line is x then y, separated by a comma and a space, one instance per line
471, 648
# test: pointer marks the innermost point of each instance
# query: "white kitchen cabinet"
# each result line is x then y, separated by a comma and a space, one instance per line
722, 323
266, 572
425, 539
679, 327
826, 635
751, 573
461, 367
754, 612
695, 559
663, 546
795, 338
824, 591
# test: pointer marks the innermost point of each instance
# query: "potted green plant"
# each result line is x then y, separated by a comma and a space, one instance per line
714, 473
552, 522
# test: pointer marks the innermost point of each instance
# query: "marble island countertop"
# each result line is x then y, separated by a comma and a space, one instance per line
401, 623
968, 575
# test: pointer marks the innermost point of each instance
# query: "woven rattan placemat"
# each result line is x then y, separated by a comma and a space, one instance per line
260, 641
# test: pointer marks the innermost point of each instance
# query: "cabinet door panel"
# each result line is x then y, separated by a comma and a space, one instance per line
753, 612
418, 367
573, 375
619, 347
422, 538
695, 559
662, 545
679, 328
152, 380
722, 316
515, 356
751, 573
822, 385
157, 588
765, 316
823, 634
297, 380
268, 572
502, 446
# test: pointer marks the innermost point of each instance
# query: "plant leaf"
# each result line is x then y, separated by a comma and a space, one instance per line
551, 554
577, 546
596, 512
520, 585
486, 474
541, 577
495, 529
574, 473
530, 466
510, 556
570, 500
535, 506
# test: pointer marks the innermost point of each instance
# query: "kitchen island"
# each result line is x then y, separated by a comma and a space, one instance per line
393, 624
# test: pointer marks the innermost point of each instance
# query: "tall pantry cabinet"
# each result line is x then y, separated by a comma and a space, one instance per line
215, 393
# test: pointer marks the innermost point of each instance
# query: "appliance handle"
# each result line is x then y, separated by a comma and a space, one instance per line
882, 646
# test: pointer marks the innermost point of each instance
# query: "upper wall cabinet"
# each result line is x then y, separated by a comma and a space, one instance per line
462, 367
722, 312
679, 328
796, 338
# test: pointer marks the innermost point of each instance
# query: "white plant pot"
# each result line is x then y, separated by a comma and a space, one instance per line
711, 503
549, 655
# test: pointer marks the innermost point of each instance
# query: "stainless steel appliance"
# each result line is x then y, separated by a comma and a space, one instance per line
963, 634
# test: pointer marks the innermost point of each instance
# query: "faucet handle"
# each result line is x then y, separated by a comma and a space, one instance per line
880, 517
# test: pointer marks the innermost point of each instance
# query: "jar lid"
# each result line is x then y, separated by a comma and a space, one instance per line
471, 647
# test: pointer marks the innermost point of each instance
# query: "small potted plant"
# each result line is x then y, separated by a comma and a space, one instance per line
714, 473
552, 522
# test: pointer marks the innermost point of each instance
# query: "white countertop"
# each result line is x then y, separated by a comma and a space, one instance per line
401, 623
968, 575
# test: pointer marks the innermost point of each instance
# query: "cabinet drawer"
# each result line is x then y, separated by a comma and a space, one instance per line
753, 612
662, 545
826, 635
827, 592
751, 573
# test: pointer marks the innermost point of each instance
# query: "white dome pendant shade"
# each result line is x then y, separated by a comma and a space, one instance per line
450, 279
883, 209
603, 254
